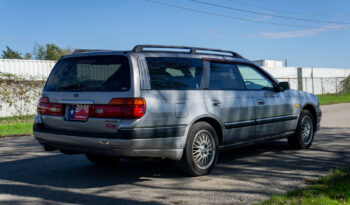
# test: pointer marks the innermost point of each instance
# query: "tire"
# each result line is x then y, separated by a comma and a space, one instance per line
304, 134
100, 159
201, 151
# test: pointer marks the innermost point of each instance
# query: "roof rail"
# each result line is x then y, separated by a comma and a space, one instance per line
86, 50
193, 50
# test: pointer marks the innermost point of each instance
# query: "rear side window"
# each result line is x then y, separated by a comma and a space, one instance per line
90, 73
174, 73
225, 76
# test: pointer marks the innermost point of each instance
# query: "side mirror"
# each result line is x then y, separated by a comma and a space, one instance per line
284, 86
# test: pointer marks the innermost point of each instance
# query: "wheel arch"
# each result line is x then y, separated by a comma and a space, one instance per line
312, 110
217, 125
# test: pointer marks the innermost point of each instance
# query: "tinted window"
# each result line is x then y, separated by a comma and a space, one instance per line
174, 73
253, 79
91, 73
224, 76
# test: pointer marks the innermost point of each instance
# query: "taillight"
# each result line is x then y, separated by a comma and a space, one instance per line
47, 108
123, 108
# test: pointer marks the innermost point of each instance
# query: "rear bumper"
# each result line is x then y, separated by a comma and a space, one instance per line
170, 147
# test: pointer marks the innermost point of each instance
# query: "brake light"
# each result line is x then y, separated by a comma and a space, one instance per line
47, 108
123, 108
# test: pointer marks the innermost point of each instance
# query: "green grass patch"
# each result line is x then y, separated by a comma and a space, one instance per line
16, 129
331, 189
17, 125
327, 99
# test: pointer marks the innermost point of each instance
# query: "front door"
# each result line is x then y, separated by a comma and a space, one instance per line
274, 111
227, 98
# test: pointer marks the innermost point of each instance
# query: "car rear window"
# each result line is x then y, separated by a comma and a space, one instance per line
90, 73
167, 73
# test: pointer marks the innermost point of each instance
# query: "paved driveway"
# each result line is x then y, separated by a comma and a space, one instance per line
30, 175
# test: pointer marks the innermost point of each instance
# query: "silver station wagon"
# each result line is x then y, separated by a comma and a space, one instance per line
182, 103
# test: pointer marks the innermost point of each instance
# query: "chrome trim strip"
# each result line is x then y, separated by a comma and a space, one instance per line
230, 125
275, 119
76, 102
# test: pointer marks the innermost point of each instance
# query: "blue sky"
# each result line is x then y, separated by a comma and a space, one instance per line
120, 24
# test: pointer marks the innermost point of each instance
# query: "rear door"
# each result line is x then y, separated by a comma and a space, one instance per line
227, 98
274, 111
174, 96
83, 83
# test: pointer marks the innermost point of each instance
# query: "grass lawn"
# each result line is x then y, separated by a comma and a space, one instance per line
13, 126
331, 189
333, 98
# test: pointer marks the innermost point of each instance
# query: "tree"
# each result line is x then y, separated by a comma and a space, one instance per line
27, 56
39, 52
49, 52
11, 54
345, 85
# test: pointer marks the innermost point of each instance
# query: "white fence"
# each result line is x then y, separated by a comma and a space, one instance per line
313, 80
34, 68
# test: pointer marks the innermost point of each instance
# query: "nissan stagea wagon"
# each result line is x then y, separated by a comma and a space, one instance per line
182, 103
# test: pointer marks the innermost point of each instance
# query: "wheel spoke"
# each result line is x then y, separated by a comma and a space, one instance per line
203, 149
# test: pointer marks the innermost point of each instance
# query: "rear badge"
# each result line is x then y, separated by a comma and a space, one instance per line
76, 95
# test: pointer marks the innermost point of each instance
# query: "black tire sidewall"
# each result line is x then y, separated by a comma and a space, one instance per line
299, 139
191, 168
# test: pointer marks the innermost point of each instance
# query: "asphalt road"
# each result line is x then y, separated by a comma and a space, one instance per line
29, 175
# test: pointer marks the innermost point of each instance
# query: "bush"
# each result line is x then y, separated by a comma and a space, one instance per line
345, 85
20, 93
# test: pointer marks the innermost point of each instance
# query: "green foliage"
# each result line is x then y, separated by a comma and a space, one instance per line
331, 189
49, 52
327, 99
10, 54
345, 85
16, 119
27, 56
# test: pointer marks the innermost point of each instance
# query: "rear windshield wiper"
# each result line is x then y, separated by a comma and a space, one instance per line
72, 87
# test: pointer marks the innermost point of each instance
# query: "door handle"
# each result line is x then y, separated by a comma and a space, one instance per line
216, 103
261, 102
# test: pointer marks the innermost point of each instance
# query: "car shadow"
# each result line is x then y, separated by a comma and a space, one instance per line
259, 165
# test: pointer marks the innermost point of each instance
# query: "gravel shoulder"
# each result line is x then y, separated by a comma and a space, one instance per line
243, 176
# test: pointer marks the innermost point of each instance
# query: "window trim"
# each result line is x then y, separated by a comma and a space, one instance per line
267, 75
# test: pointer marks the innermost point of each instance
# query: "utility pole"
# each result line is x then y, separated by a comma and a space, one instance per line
312, 80
285, 62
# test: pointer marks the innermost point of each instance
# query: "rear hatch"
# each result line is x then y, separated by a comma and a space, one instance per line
89, 95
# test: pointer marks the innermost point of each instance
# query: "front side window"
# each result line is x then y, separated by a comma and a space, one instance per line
168, 73
253, 79
224, 76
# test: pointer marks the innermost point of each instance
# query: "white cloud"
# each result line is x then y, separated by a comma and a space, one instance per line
301, 33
